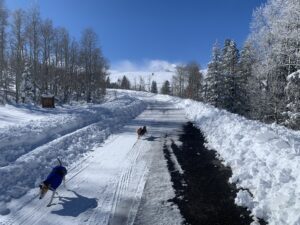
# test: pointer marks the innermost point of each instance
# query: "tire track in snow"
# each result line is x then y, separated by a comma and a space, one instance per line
127, 196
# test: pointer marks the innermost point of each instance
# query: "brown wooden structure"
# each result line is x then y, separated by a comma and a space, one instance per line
48, 101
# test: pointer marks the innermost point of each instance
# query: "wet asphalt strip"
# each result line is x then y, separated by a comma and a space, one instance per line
203, 194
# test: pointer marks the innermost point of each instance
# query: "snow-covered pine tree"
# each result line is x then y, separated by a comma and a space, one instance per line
229, 67
214, 79
244, 80
107, 82
166, 88
125, 83
141, 85
26, 86
275, 36
154, 87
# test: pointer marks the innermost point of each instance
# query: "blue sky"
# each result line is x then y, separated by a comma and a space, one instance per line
140, 30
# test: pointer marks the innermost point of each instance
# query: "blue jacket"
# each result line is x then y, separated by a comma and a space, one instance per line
56, 176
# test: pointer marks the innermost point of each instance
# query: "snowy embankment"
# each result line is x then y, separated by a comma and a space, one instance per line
28, 150
265, 159
11, 115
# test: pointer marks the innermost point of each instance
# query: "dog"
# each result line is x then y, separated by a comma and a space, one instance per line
141, 131
52, 182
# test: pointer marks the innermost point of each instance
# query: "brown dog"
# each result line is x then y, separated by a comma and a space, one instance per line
141, 131
54, 179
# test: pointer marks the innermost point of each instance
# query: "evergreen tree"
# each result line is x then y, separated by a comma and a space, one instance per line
243, 78
142, 85
166, 88
214, 79
107, 82
27, 86
229, 65
275, 36
125, 83
154, 87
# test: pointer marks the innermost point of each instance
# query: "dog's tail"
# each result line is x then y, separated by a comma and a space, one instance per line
59, 161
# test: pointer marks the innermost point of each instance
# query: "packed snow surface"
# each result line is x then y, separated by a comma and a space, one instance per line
264, 160
107, 165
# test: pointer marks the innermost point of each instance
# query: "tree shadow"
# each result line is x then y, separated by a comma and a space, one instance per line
76, 205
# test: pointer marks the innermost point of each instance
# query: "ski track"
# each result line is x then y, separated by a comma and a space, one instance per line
106, 185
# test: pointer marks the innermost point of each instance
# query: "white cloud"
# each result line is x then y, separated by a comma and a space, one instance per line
146, 65
124, 65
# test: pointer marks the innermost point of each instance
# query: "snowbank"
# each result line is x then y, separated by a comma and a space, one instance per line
264, 160
11, 115
29, 150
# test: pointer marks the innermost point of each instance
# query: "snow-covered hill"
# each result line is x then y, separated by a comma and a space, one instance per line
148, 76
154, 70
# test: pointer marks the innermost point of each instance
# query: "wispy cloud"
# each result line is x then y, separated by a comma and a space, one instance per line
145, 65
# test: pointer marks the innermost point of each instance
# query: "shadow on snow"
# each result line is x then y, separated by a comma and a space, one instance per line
74, 206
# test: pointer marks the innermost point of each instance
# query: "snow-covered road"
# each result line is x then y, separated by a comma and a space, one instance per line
106, 186
111, 176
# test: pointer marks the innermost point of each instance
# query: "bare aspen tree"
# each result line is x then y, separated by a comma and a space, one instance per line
65, 76
195, 77
88, 44
3, 42
32, 31
74, 69
94, 64
179, 81
17, 45
42, 59
47, 36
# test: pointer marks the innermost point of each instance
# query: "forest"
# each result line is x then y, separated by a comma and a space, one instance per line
39, 59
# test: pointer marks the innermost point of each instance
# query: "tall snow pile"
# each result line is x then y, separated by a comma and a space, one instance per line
265, 160
29, 150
